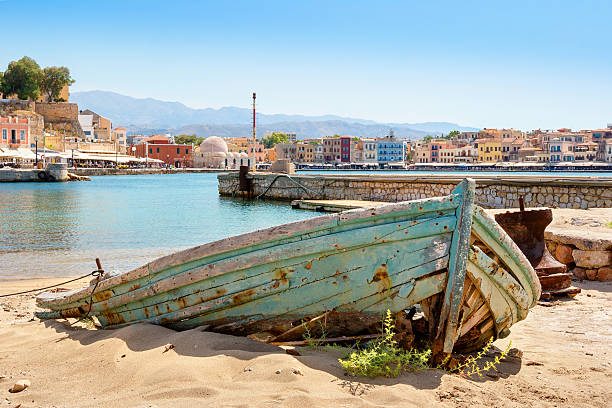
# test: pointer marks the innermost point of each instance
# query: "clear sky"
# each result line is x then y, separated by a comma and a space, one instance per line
523, 64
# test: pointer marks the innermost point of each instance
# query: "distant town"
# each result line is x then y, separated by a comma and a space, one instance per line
38, 123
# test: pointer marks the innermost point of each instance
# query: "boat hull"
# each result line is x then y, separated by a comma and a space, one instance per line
338, 272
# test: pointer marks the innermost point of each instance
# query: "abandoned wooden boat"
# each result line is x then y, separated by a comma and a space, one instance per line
443, 255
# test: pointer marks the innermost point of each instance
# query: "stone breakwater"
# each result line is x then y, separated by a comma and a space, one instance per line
588, 255
92, 171
579, 239
491, 192
53, 172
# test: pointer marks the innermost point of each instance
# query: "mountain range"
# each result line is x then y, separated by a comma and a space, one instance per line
150, 116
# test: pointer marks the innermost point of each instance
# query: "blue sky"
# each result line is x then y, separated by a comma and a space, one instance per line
522, 64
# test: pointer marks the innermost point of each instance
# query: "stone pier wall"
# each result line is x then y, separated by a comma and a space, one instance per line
491, 192
92, 171
588, 256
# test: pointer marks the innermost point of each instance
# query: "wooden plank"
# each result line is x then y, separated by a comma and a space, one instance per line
448, 322
475, 318
494, 237
300, 272
262, 239
318, 247
299, 330
334, 205
322, 280
500, 277
294, 305
326, 340
503, 309
488, 324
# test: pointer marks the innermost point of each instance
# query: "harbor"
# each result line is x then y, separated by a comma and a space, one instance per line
305, 204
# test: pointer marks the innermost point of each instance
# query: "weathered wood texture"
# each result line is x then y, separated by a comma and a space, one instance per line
344, 269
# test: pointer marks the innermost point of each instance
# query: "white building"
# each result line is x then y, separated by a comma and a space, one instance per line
369, 151
86, 122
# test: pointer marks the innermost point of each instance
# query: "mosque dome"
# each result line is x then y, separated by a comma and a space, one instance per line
213, 144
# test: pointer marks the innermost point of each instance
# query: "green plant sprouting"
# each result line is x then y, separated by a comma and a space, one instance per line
471, 367
383, 357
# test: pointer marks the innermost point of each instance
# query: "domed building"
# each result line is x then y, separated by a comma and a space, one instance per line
213, 153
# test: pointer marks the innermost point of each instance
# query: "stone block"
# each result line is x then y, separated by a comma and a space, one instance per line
591, 274
563, 253
579, 272
592, 259
604, 274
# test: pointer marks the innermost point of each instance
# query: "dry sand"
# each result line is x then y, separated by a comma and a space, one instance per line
79, 367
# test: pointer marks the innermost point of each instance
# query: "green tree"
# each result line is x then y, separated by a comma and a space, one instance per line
188, 139
22, 78
427, 139
274, 139
453, 133
53, 81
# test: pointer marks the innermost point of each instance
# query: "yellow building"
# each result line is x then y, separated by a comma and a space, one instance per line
305, 152
489, 150
238, 144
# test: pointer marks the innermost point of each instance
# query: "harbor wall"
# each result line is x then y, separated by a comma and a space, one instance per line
87, 171
491, 191
53, 172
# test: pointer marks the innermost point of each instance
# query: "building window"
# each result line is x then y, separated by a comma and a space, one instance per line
186, 151
4, 134
178, 150
22, 135
158, 150
150, 150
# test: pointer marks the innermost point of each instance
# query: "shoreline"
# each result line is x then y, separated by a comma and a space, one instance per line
566, 360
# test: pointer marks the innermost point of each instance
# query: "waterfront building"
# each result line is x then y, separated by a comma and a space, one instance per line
237, 144
586, 152
119, 137
99, 126
440, 151
600, 136
357, 150
608, 151
345, 149
331, 149
369, 151
245, 145
160, 147
561, 149
502, 134
489, 150
422, 154
465, 154
86, 122
305, 152
269, 155
14, 132
319, 153
286, 151
465, 138
389, 149
212, 153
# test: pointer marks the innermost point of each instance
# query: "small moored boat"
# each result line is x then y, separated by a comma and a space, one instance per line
444, 255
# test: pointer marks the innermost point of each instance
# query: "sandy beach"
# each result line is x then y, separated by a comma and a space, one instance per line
566, 361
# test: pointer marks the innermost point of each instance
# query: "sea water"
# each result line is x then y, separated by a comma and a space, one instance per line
58, 229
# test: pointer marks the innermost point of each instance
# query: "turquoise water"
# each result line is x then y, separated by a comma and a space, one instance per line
58, 229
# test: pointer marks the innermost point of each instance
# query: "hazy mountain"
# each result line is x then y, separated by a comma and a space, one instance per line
153, 116
309, 129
